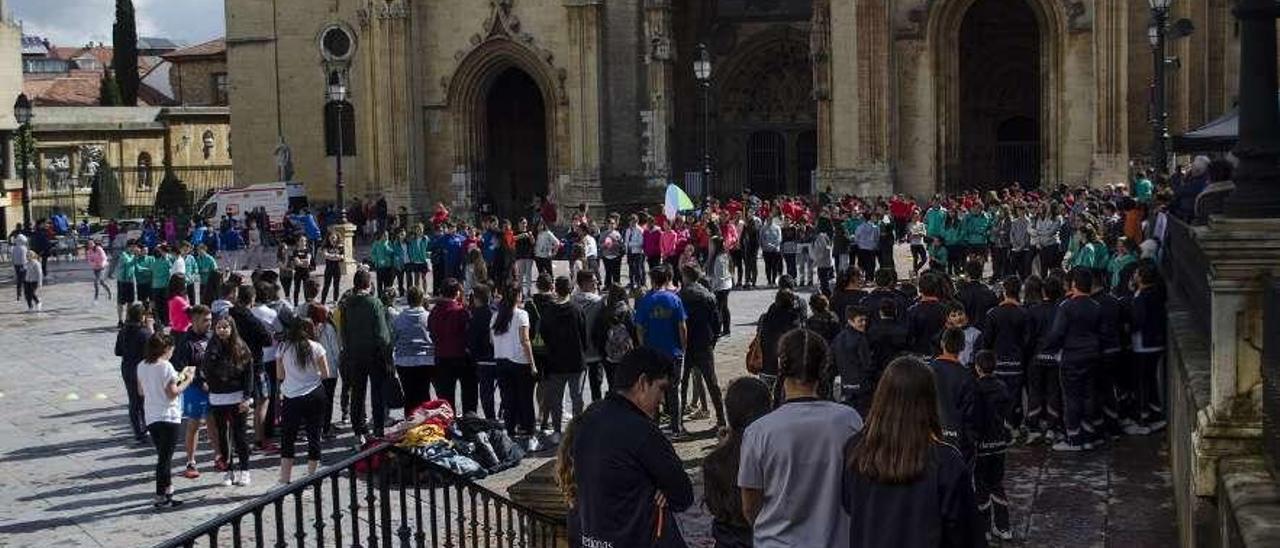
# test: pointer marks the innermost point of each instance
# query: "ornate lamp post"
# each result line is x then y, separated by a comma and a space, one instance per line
1157, 33
702, 71
1257, 177
335, 93
22, 113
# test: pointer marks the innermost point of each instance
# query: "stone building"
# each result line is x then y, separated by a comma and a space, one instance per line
596, 102
198, 75
10, 87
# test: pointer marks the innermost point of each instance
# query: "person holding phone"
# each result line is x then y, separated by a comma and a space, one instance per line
161, 387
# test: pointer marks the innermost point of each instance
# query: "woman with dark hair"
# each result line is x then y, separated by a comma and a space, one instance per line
161, 387
904, 487
848, 291
301, 366
513, 351
228, 372
615, 331
721, 281
787, 312
746, 400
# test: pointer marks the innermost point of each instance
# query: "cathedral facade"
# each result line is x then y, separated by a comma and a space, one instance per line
597, 101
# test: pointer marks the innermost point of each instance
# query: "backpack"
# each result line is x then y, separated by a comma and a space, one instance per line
538, 344
618, 342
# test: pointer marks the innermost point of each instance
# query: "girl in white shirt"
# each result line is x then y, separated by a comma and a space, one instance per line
513, 351
301, 366
161, 387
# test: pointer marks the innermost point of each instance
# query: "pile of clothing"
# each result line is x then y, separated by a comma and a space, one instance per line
470, 447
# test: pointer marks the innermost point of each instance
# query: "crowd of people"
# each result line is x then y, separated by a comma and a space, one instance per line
880, 397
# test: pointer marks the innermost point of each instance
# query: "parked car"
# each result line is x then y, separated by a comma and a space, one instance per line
129, 229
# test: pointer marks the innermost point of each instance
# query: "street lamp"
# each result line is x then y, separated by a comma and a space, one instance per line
335, 93
702, 71
22, 114
1157, 33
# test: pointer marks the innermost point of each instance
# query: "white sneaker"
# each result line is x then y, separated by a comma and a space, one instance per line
242, 478
39, 307
1134, 429
228, 479
1064, 446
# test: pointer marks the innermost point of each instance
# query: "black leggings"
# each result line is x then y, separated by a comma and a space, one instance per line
300, 276
164, 435
722, 302
332, 276
772, 266
30, 289
230, 421
749, 260
306, 411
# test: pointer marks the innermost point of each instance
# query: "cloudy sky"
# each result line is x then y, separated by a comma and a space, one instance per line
76, 22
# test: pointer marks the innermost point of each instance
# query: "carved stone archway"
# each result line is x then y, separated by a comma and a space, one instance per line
944, 25
501, 46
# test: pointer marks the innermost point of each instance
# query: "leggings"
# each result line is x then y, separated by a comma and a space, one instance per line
19, 273
306, 411
772, 266
98, 282
722, 302
30, 289
1050, 258
515, 383
230, 427
918, 257
163, 436
749, 263
735, 263
635, 270
790, 259
332, 276
300, 276
544, 265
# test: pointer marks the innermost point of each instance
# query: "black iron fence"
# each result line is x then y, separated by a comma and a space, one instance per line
1186, 269
126, 192
384, 496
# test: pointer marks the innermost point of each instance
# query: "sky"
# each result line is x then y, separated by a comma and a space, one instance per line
77, 22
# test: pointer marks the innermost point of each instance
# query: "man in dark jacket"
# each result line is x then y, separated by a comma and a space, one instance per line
366, 343
884, 292
448, 326
565, 332
702, 318
1076, 329
957, 394
926, 318
480, 348
629, 487
1148, 317
851, 354
887, 335
976, 297
1006, 332
1113, 332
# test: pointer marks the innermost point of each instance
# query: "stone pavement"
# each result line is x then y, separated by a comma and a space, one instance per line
70, 474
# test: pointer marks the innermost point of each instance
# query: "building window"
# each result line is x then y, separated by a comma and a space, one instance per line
220, 88
144, 171
331, 113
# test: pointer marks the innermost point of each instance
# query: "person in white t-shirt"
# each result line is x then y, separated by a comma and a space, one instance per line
301, 366
161, 388
513, 352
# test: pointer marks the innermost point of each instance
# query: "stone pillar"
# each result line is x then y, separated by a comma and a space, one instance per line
385, 111
586, 88
861, 103
1257, 179
1240, 253
1111, 132
346, 235
659, 119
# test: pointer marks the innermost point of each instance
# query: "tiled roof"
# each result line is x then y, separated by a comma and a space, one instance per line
217, 46
79, 89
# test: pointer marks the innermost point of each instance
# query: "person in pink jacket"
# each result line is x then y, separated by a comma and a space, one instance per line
97, 258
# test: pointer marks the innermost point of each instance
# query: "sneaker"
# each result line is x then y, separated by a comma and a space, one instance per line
1002, 534
242, 478
39, 307
191, 472
160, 501
1134, 429
700, 414
532, 445
1064, 446
228, 479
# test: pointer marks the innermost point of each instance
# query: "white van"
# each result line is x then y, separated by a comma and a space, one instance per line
276, 198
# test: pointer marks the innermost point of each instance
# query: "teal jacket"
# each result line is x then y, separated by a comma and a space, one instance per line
976, 228
383, 254
418, 250
160, 272
1117, 265
127, 267
934, 221
205, 265
952, 235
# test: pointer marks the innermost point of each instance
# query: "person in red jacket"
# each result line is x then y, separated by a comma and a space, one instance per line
448, 326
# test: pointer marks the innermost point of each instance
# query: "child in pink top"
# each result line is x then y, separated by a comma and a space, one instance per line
97, 259
179, 321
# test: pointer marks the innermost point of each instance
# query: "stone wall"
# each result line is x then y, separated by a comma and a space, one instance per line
192, 80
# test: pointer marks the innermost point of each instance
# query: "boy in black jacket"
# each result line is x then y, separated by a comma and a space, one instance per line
851, 354
957, 394
1044, 391
480, 348
1076, 329
1006, 332
994, 434
926, 318
1147, 313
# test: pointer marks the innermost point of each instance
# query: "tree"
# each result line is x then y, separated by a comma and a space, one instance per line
105, 197
124, 63
108, 91
172, 196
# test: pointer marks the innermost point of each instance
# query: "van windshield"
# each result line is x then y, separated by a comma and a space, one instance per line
209, 211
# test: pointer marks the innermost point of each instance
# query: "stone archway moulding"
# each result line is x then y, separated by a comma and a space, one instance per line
500, 46
943, 31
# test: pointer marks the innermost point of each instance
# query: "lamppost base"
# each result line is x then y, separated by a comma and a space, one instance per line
347, 236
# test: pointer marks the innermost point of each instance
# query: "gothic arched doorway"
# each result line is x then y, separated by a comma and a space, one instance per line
516, 147
766, 111
999, 48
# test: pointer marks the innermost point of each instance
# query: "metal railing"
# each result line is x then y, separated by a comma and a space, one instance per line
125, 192
384, 496
1186, 269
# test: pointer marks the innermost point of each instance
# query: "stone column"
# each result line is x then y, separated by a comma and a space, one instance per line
586, 85
384, 110
1257, 179
659, 119
1111, 130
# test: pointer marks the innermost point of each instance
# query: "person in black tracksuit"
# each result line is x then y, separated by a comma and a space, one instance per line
1107, 379
1076, 328
1044, 391
1148, 317
887, 335
480, 348
1006, 332
957, 395
926, 318
976, 297
851, 354
992, 409
884, 291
